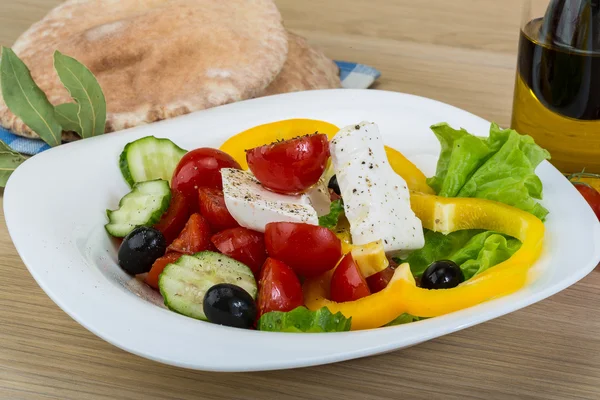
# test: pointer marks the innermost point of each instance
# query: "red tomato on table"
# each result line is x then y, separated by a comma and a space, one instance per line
213, 208
347, 283
174, 219
309, 249
244, 245
591, 195
158, 267
291, 166
194, 237
278, 288
200, 168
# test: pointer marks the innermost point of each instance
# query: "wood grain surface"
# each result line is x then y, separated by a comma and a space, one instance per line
461, 52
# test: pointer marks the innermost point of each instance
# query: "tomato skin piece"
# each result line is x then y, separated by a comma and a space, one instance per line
194, 237
174, 219
200, 168
157, 268
213, 208
379, 281
347, 283
591, 195
244, 245
309, 250
291, 166
279, 288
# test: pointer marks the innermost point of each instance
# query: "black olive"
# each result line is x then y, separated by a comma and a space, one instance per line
333, 185
230, 305
443, 274
140, 249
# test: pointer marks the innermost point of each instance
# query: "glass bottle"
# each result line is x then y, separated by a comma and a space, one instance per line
557, 89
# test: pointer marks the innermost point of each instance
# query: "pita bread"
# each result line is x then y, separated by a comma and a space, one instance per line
306, 68
157, 59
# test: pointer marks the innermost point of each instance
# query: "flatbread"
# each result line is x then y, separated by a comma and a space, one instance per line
157, 59
306, 68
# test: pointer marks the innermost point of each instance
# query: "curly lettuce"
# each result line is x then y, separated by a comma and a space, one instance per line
301, 319
336, 209
500, 167
472, 250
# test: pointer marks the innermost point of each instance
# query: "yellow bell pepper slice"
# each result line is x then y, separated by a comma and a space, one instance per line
443, 215
415, 179
260, 135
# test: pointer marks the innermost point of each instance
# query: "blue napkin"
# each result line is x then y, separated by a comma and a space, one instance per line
352, 75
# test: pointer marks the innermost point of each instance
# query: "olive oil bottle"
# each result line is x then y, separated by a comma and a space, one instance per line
557, 89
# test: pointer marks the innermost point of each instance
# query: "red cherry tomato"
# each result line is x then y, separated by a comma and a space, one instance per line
591, 195
200, 168
291, 166
194, 237
244, 245
213, 208
158, 266
174, 219
278, 288
379, 281
347, 283
310, 250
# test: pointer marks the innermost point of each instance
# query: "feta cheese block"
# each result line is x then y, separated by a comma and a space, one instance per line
319, 197
376, 199
253, 206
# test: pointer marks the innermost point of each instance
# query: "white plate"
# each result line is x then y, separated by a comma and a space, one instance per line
54, 205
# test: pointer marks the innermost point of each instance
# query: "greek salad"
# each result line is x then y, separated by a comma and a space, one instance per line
300, 226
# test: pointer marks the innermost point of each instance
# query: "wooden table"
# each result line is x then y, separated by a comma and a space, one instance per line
461, 52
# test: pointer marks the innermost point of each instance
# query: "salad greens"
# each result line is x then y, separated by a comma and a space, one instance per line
301, 319
404, 319
336, 209
500, 168
473, 250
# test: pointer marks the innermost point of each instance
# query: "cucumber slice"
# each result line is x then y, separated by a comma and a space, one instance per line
149, 158
143, 206
184, 283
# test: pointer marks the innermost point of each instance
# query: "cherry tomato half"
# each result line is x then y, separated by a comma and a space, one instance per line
591, 195
174, 219
310, 250
291, 166
279, 288
157, 268
347, 283
213, 208
242, 244
194, 237
200, 168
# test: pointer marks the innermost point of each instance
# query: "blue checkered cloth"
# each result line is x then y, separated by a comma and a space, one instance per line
352, 75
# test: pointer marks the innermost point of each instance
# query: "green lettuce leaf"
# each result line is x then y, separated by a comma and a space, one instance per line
336, 209
500, 168
301, 319
473, 250
404, 319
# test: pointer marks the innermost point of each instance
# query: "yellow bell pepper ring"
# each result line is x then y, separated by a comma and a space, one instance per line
443, 215
260, 135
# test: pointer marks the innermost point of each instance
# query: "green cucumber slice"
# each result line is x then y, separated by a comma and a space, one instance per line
143, 206
184, 283
149, 158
